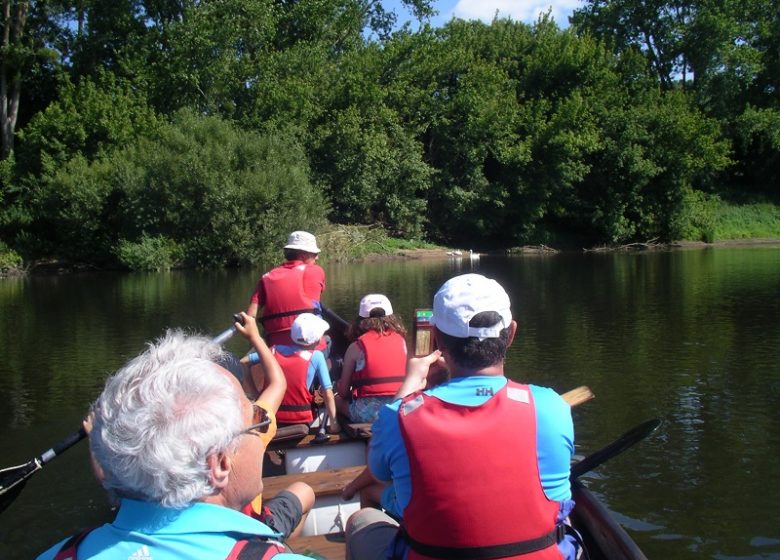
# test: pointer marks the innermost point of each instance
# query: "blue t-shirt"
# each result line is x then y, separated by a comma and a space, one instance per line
318, 366
147, 530
388, 460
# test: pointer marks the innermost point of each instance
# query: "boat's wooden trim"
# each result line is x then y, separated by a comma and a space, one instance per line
324, 483
330, 547
603, 535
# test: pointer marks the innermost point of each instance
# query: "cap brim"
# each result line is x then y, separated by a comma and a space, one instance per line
313, 250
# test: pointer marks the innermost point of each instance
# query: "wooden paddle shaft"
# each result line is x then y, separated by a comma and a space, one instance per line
578, 395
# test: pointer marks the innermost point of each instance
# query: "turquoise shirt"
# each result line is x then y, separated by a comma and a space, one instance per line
144, 529
318, 366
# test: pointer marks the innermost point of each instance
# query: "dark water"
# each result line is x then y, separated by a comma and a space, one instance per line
692, 337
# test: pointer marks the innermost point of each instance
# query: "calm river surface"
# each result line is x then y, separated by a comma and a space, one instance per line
692, 337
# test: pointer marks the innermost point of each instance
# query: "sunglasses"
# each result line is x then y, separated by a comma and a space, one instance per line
260, 421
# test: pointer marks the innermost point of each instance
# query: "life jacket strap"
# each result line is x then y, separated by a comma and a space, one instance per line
255, 549
294, 407
492, 551
377, 380
290, 313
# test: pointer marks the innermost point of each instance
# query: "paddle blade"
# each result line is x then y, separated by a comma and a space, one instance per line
625, 441
578, 395
13, 479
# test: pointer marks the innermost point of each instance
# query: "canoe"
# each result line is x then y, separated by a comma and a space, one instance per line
329, 466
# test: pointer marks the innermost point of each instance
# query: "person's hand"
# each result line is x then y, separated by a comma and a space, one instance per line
87, 422
334, 427
249, 329
420, 370
97, 470
348, 492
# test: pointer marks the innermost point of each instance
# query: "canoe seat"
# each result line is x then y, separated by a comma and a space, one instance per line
330, 546
287, 433
324, 483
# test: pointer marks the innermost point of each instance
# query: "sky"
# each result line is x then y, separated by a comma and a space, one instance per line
519, 10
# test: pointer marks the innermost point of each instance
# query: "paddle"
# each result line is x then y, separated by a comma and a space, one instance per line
578, 395
625, 441
13, 479
329, 314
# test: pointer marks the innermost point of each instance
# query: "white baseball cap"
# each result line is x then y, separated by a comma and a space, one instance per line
462, 297
303, 241
374, 301
308, 329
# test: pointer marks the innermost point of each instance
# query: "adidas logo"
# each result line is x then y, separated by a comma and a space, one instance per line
141, 554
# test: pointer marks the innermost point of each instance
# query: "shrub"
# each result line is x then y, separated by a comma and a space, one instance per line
696, 220
10, 261
150, 253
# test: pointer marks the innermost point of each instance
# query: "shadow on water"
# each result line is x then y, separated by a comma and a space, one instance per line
692, 337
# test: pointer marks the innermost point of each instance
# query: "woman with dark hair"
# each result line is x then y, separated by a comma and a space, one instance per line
375, 363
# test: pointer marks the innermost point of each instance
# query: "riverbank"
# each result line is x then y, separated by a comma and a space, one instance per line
52, 266
449, 253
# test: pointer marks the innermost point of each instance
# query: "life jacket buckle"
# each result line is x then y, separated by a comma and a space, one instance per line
560, 532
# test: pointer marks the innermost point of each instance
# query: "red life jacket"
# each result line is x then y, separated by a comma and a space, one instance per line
385, 365
296, 404
475, 479
255, 548
285, 298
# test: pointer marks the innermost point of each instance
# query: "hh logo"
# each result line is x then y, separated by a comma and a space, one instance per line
484, 392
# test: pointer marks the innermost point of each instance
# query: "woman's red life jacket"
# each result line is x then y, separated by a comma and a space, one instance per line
385, 365
475, 479
296, 404
285, 298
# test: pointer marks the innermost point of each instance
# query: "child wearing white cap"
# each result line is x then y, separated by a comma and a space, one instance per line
375, 363
302, 365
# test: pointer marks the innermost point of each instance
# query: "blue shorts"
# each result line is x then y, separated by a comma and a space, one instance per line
366, 409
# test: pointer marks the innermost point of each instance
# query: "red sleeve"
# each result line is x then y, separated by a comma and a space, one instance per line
313, 281
258, 296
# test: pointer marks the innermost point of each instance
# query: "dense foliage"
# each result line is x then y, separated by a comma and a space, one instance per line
154, 134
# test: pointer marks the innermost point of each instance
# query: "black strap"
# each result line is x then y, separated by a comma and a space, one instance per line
290, 313
294, 407
376, 380
491, 551
255, 549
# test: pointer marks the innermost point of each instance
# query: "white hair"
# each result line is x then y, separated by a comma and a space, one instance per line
160, 416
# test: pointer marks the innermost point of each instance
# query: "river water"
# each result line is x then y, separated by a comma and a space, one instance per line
691, 337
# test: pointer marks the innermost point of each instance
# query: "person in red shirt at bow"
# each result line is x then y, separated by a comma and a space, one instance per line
290, 289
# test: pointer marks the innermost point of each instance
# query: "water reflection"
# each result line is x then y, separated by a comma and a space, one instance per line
691, 337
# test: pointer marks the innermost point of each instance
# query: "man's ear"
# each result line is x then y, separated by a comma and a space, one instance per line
219, 470
512, 333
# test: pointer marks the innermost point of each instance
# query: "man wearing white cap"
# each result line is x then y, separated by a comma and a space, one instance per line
478, 465
290, 289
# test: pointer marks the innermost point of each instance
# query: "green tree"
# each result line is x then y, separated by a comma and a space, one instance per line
363, 152
200, 188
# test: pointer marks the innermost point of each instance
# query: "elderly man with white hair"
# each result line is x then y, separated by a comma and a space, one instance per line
178, 444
